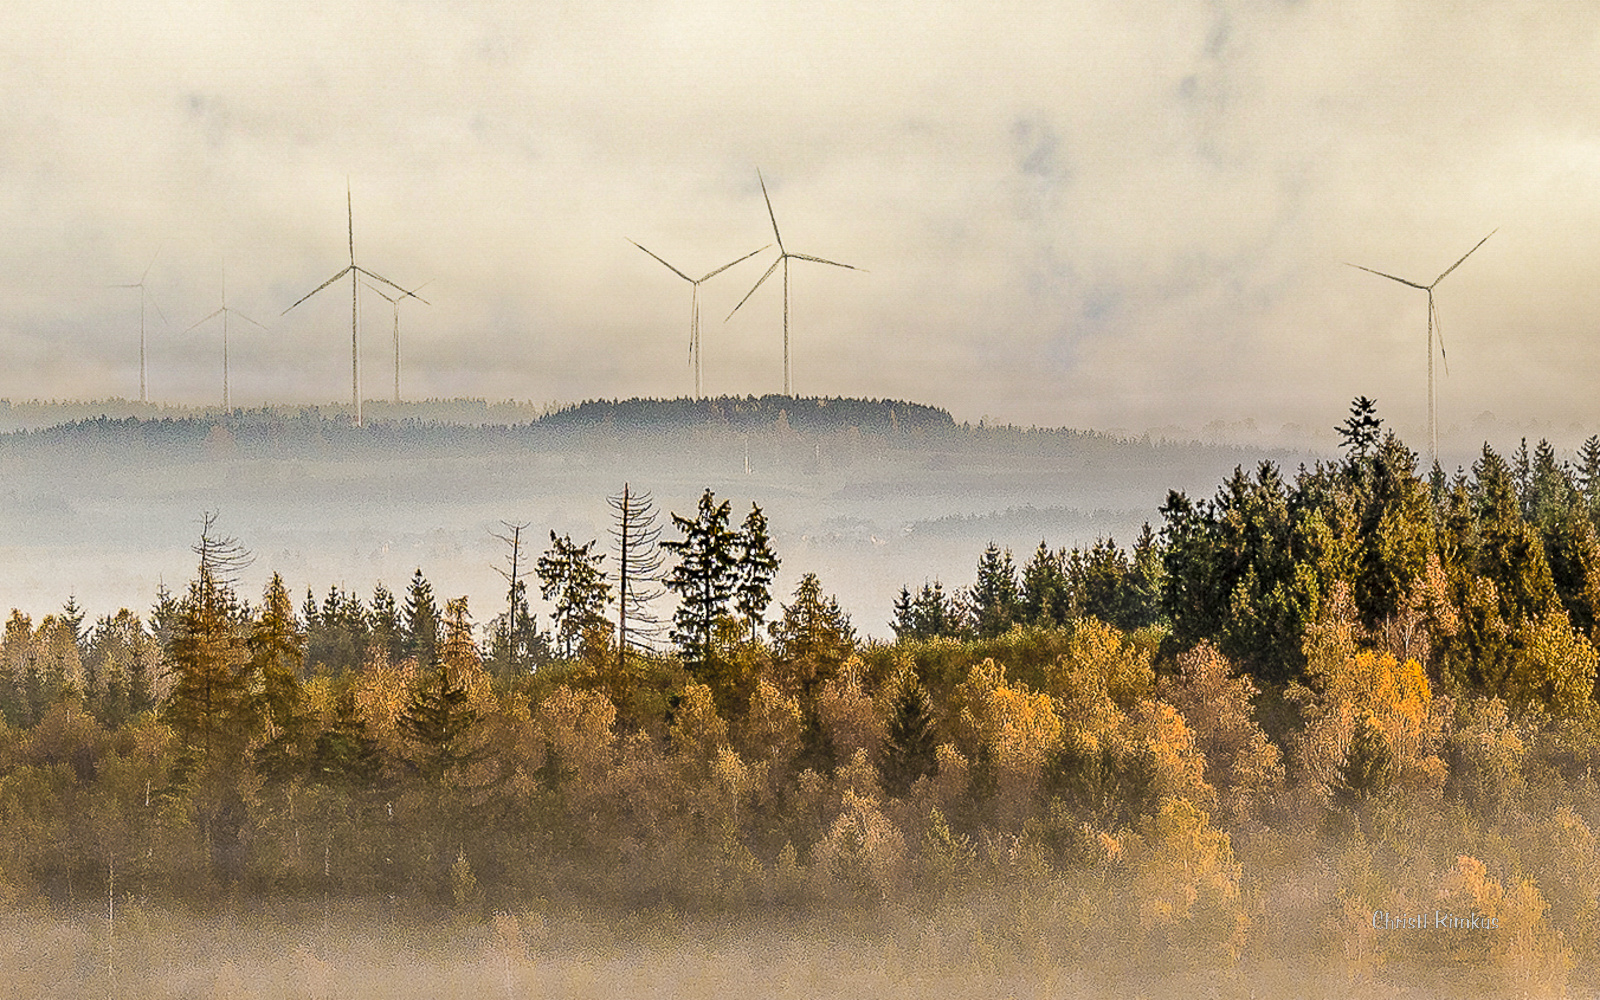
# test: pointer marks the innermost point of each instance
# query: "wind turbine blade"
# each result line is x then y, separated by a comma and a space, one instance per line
152, 301
1464, 256
413, 293
753, 288
385, 295
197, 322
674, 270
317, 289
135, 284
1391, 277
148, 266
386, 281
1440, 331
730, 263
819, 260
247, 319
770, 214
350, 217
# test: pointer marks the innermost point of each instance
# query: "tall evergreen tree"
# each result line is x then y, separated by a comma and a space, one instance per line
570, 575
910, 747
927, 614
1046, 594
994, 600
1589, 474
814, 637
438, 719
705, 579
1360, 431
758, 564
209, 705
385, 629
421, 618
277, 649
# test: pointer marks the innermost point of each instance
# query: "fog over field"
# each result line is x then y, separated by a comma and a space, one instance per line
359, 286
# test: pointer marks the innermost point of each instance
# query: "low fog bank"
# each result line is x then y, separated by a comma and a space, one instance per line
870, 496
977, 951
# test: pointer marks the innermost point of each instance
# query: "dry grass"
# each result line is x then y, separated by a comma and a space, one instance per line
975, 951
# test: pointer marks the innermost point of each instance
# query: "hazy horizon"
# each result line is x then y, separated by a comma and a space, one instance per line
1087, 216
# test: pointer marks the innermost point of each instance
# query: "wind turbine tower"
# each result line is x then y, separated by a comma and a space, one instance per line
1433, 325
355, 271
224, 312
784, 256
144, 295
694, 305
395, 300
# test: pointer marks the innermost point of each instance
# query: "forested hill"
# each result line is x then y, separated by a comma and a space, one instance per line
751, 413
801, 425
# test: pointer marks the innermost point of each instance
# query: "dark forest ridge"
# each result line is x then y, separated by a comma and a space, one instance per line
478, 424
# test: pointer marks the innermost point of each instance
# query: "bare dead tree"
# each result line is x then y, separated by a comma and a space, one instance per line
516, 600
635, 535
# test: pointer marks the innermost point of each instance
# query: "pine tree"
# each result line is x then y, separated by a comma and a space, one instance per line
1360, 430
122, 658
385, 630
927, 614
1589, 475
814, 637
209, 706
993, 599
1046, 595
277, 649
421, 619
570, 575
438, 719
757, 566
510, 630
72, 616
910, 747
705, 579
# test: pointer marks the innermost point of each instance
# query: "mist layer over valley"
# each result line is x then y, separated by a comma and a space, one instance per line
868, 495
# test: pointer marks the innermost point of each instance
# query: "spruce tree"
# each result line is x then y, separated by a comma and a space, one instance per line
993, 599
1045, 597
277, 649
758, 564
421, 618
813, 638
1589, 475
910, 746
384, 627
438, 719
1360, 430
571, 577
705, 579
927, 614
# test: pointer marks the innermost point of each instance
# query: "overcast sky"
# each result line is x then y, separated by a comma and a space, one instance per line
1095, 214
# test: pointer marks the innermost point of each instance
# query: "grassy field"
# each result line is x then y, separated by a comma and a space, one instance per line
971, 951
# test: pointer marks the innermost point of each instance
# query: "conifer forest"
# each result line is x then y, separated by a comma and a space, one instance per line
1277, 730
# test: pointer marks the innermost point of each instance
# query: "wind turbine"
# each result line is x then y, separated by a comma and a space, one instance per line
1433, 324
355, 271
783, 258
144, 294
394, 300
694, 305
224, 313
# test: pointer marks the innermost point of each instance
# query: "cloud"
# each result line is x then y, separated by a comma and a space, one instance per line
1089, 214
